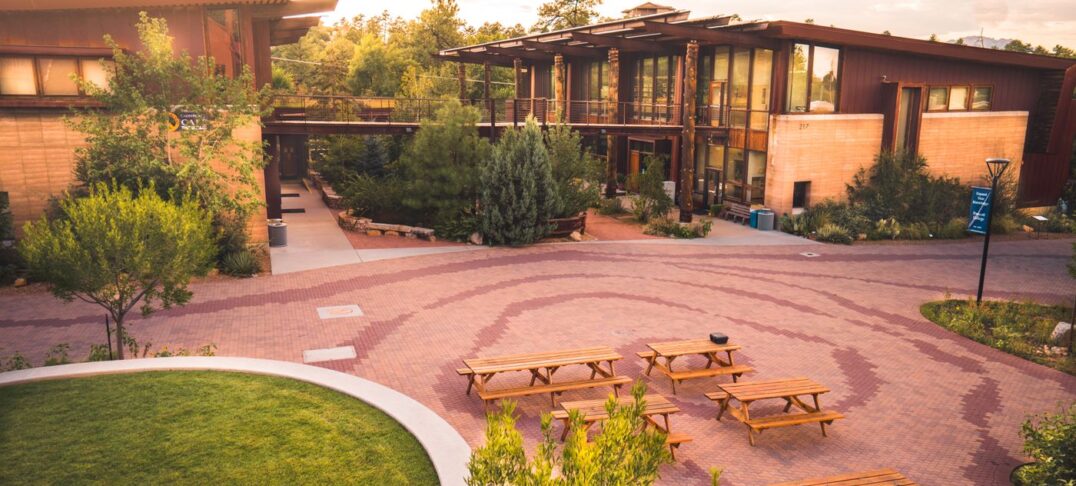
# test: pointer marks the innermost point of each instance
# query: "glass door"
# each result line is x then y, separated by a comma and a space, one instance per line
713, 187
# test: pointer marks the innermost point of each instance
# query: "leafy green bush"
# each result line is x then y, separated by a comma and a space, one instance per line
57, 355
99, 352
1020, 328
243, 263
611, 207
955, 229
796, 224
652, 201
7, 227
576, 173
914, 231
1050, 440
344, 156
899, 186
625, 452
1056, 222
832, 233
884, 229
518, 191
669, 227
1004, 224
439, 168
16, 362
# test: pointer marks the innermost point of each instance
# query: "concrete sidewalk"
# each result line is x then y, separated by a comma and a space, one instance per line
315, 240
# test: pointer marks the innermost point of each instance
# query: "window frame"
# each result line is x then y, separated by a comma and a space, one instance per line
989, 101
39, 87
809, 79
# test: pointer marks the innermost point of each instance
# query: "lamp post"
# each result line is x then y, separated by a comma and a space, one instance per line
997, 167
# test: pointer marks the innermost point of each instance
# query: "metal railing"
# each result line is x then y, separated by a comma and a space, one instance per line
355, 109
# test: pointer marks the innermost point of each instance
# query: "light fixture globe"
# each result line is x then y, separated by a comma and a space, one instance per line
996, 166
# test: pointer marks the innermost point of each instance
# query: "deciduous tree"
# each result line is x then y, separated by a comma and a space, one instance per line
120, 250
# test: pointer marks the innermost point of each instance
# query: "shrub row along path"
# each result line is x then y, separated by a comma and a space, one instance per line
938, 407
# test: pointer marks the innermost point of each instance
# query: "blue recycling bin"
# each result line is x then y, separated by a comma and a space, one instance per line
754, 218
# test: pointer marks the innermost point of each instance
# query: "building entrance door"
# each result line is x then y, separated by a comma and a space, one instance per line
909, 110
713, 187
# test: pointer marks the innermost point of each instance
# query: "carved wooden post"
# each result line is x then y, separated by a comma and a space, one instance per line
687, 137
559, 100
461, 75
614, 117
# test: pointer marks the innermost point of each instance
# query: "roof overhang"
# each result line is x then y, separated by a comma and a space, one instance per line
263, 8
867, 40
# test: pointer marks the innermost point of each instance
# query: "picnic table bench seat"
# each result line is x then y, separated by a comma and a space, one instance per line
861, 478
824, 416
554, 389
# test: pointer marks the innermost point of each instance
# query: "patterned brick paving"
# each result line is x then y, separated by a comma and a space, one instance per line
938, 407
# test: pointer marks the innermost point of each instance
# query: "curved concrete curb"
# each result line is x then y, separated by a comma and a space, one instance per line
444, 445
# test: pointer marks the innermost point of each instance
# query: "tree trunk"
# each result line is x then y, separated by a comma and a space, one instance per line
119, 336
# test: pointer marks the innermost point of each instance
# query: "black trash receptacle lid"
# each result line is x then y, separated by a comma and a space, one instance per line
718, 338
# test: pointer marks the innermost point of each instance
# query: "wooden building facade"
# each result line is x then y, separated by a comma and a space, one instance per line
44, 42
782, 114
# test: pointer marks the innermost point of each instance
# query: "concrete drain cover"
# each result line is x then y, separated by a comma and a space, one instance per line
809, 254
338, 311
328, 354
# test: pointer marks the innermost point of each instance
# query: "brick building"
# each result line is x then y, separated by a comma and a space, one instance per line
782, 114
44, 42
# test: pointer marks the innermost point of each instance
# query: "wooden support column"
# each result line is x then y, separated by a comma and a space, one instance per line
559, 101
687, 137
517, 66
614, 117
461, 75
487, 90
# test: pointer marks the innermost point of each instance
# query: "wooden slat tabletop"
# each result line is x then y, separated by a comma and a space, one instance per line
691, 346
878, 477
595, 409
786, 387
530, 361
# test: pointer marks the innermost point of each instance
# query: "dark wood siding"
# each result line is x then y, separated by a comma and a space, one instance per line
86, 28
1015, 89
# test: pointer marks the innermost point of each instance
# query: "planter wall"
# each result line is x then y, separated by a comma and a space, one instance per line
565, 226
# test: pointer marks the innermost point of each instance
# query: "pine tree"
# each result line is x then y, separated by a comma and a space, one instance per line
518, 194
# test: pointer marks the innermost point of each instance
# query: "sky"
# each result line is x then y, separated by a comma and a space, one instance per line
1046, 22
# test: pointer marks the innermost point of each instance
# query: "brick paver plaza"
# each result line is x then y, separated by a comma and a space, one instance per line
933, 405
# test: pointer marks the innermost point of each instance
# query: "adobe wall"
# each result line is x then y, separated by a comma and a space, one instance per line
957, 144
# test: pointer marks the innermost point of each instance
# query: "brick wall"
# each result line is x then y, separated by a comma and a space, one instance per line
37, 163
958, 144
824, 149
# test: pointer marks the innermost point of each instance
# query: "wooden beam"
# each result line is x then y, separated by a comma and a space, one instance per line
520, 53
571, 51
477, 58
629, 45
703, 34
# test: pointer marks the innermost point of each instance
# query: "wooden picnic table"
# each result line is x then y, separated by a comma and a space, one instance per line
542, 366
788, 389
877, 477
662, 355
656, 413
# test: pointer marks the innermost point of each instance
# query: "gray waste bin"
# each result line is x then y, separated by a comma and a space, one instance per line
278, 233
765, 220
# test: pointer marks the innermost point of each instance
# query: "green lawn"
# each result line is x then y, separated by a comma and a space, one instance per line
195, 427
1020, 328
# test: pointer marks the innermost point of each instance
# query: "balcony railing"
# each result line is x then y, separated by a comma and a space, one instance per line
354, 109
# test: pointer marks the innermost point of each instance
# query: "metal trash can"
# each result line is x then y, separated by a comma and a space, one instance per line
765, 219
278, 233
752, 221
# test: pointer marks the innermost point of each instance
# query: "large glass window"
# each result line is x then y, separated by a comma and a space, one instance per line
813, 79
57, 75
981, 98
797, 78
738, 93
756, 176
824, 63
761, 71
96, 71
958, 98
737, 171
938, 98
17, 76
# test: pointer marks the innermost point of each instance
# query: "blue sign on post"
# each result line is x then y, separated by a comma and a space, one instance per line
980, 210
